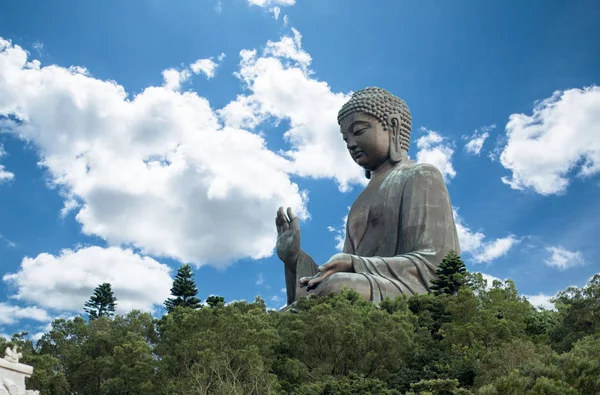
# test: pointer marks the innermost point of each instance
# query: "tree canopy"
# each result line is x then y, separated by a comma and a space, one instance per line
184, 290
480, 340
102, 303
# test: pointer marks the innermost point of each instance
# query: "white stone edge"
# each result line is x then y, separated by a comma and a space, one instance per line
17, 367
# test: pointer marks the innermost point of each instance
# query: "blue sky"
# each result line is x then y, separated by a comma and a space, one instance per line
142, 134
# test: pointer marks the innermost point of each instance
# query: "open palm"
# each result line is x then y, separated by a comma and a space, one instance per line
288, 236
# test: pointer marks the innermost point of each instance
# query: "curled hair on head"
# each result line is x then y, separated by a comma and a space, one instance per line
380, 104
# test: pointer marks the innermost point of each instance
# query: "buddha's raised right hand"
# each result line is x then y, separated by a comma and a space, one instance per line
288, 236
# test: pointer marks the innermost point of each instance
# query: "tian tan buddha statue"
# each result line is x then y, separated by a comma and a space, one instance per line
399, 228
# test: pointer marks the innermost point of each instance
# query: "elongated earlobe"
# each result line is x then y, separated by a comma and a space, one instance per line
395, 138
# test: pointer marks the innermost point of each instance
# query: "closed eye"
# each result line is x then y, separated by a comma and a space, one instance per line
360, 131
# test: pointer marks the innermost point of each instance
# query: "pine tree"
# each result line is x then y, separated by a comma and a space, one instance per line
184, 290
102, 303
213, 300
451, 275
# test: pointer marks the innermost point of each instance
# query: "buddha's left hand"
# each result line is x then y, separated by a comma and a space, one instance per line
338, 263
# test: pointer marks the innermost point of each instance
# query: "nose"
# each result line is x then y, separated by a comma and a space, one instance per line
350, 143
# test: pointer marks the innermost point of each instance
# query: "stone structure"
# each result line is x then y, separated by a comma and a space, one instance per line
399, 228
13, 374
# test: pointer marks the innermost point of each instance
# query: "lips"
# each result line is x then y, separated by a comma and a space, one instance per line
356, 154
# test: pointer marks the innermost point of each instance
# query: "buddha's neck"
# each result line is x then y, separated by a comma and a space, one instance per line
383, 169
388, 165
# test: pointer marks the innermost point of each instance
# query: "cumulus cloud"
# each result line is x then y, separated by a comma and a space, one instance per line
4, 174
478, 247
208, 66
10, 314
269, 3
560, 139
563, 259
279, 86
65, 282
174, 78
475, 141
541, 300
436, 150
155, 170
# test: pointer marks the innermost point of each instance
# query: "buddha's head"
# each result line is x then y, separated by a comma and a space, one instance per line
376, 127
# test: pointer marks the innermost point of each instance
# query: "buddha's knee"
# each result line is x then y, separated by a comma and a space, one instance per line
337, 282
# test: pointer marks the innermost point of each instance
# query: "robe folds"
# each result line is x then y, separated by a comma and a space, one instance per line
399, 237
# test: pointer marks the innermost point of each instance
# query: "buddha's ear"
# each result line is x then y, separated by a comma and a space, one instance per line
394, 122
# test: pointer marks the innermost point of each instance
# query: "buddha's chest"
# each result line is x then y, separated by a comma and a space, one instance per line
365, 217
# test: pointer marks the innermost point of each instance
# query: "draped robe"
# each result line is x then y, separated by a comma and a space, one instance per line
397, 234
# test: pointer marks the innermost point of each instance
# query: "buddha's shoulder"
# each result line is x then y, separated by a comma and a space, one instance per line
413, 170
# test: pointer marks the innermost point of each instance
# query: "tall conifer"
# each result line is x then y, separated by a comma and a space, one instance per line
184, 290
451, 275
102, 303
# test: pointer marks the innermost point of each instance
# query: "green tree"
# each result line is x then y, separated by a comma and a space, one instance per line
579, 310
451, 275
582, 365
437, 387
102, 303
184, 290
226, 350
213, 301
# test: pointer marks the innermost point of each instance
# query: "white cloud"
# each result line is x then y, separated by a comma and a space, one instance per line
276, 11
476, 140
208, 66
174, 78
478, 247
564, 259
4, 174
10, 314
290, 48
434, 150
558, 140
340, 233
70, 204
286, 21
260, 279
280, 88
268, 3
541, 300
154, 170
489, 280
66, 281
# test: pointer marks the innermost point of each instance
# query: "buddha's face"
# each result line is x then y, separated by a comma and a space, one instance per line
366, 140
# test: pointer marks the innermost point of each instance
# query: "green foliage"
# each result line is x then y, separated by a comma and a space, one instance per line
451, 275
481, 340
102, 303
184, 290
437, 387
213, 301
348, 385
580, 314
